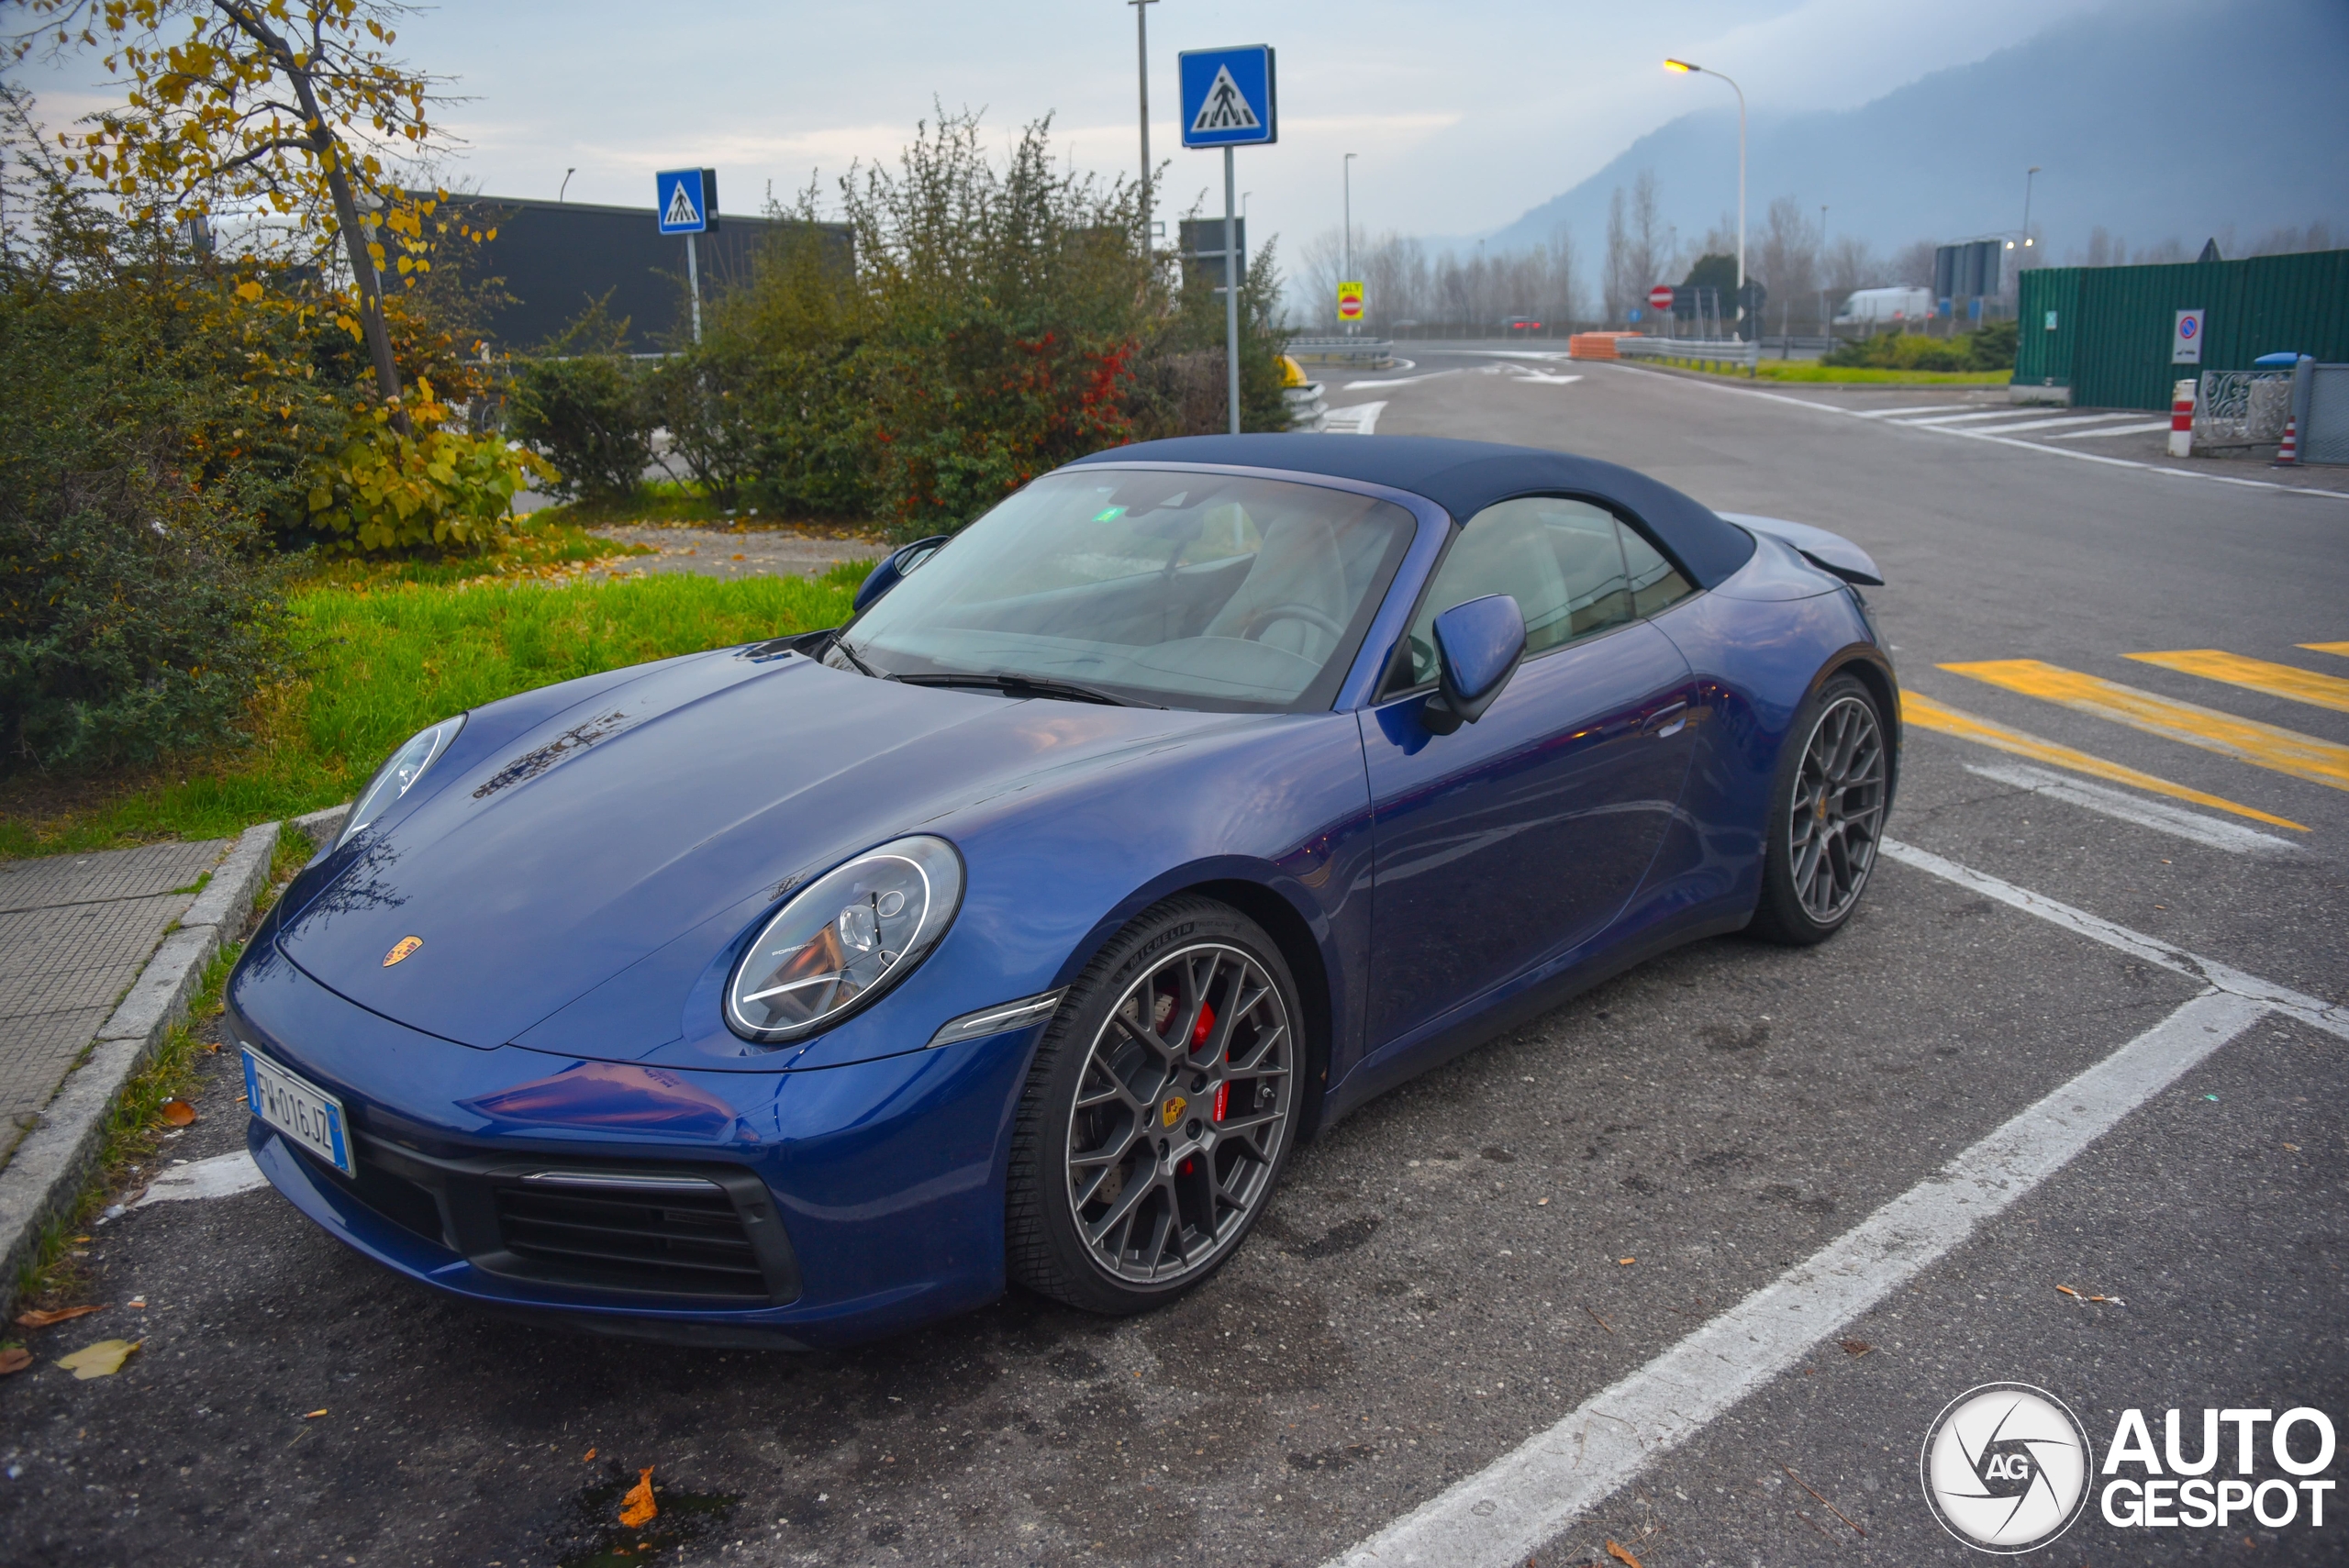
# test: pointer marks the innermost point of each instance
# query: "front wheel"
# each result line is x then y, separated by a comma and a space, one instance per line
1158, 1112
1826, 816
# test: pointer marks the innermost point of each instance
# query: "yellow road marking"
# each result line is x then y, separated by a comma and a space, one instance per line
2341, 648
2244, 739
2255, 675
1927, 714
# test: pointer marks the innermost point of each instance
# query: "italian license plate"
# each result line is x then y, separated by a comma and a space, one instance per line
302, 1111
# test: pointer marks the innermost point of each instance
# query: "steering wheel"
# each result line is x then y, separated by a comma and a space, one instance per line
1289, 610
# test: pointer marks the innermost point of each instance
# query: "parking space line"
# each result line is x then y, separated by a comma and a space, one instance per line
2255, 675
2340, 648
1506, 1511
2068, 419
2208, 830
222, 1175
2143, 427
2244, 739
1888, 413
1970, 418
1926, 714
1354, 419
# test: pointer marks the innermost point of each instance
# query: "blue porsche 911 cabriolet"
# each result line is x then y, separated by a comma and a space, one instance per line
1020, 928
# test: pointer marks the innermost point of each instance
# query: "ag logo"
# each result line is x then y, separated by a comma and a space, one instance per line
2006, 1468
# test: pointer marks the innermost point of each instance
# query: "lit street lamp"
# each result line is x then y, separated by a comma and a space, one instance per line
2028, 176
1686, 68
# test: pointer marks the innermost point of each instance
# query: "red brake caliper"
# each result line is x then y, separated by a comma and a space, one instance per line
1200, 1033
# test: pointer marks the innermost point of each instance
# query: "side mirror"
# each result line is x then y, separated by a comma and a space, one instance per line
892, 570
1478, 645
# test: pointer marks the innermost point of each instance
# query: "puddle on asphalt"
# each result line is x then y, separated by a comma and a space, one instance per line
597, 1539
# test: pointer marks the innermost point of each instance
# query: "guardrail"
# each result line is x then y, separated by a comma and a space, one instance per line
1691, 351
1370, 353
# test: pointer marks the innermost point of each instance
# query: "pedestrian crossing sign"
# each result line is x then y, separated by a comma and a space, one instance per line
1227, 96
685, 200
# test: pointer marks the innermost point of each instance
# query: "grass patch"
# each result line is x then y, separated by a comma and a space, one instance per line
134, 1131
385, 656
1846, 376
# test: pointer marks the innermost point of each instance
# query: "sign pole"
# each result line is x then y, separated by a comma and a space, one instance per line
693, 277
1231, 287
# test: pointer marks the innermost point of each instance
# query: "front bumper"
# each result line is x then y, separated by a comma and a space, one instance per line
815, 1207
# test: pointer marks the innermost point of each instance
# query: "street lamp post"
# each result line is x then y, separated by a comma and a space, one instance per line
1825, 330
1141, 51
2029, 174
1687, 68
1346, 241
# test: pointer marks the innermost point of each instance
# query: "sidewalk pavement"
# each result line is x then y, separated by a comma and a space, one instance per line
100, 956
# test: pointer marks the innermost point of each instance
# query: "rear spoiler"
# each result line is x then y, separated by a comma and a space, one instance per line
1829, 552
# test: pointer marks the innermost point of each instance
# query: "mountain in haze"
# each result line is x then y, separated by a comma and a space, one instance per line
2151, 121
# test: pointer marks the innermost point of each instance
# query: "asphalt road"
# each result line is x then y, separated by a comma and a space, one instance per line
1474, 1257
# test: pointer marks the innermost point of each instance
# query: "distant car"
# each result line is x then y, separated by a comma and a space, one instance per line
1020, 928
1522, 323
1881, 307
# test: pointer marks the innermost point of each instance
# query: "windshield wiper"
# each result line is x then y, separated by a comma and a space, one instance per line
849, 653
1029, 686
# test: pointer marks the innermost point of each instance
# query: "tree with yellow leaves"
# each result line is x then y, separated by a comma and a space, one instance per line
283, 110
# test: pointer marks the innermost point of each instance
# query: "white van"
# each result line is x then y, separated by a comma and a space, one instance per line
1878, 307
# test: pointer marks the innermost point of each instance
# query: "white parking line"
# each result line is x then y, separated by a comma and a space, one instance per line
2070, 420
1544, 378
223, 1175
1401, 380
1965, 418
2114, 430
1355, 420
1877, 413
1503, 1513
2230, 836
2003, 440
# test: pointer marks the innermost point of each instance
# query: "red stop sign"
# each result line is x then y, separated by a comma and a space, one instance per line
1660, 297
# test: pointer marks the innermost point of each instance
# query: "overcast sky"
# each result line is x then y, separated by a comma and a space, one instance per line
1465, 112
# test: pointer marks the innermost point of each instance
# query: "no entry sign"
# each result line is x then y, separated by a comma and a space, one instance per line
1660, 297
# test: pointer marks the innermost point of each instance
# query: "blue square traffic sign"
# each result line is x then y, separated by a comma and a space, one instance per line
1227, 96
685, 200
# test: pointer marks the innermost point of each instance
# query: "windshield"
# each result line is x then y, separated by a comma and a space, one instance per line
1182, 589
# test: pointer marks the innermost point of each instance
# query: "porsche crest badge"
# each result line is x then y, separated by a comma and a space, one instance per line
401, 950
1171, 1112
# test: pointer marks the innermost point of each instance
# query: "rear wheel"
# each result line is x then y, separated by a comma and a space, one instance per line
1158, 1113
1826, 816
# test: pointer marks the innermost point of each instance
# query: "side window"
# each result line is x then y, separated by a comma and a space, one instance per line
1561, 560
1655, 582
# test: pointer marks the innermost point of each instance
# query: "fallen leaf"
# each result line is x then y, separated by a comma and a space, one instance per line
179, 1113
40, 1319
312, 1414
638, 1508
1627, 1261
2293, 1147
586, 1457
101, 1360
16, 1358
1622, 1554
1857, 1347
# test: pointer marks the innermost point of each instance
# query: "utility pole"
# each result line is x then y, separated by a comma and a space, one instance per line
1826, 328
1346, 242
1142, 53
2029, 175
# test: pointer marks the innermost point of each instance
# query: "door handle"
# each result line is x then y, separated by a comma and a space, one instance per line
1667, 721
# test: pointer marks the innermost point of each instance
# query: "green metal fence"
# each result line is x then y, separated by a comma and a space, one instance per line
2105, 332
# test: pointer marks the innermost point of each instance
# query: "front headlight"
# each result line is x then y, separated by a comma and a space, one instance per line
845, 938
398, 775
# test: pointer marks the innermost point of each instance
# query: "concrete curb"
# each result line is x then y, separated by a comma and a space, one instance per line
44, 1178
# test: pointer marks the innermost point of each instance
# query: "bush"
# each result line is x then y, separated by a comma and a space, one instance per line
1989, 348
434, 486
581, 404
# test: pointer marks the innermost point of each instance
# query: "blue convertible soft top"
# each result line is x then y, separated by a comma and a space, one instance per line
1465, 477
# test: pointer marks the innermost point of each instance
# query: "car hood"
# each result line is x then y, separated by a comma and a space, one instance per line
692, 796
